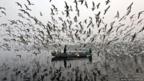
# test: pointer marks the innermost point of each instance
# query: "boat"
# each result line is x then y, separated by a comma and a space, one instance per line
72, 54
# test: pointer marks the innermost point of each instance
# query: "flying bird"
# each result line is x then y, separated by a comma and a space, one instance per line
41, 14
105, 11
52, 12
132, 16
139, 14
81, 1
19, 4
29, 3
50, 0
67, 9
93, 6
76, 6
107, 2
2, 8
3, 13
54, 7
27, 8
141, 29
133, 37
86, 4
75, 19
25, 12
130, 6
98, 5
117, 15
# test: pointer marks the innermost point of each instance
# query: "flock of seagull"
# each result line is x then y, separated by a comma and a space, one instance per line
67, 28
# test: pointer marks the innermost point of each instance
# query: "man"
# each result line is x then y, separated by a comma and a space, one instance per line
65, 49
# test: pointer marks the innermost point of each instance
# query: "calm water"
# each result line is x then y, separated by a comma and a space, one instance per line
101, 67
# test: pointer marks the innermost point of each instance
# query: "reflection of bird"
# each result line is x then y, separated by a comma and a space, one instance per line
19, 4
105, 11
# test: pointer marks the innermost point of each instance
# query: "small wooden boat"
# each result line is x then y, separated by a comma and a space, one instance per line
72, 54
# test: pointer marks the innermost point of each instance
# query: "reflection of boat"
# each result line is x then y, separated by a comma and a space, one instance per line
71, 58
72, 54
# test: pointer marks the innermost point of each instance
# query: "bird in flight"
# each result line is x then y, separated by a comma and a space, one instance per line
98, 5
29, 3
19, 4
117, 15
107, 2
140, 13
105, 11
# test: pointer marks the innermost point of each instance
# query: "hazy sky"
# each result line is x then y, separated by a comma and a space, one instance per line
44, 6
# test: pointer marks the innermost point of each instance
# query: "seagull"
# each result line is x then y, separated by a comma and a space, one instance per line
76, 6
133, 37
2, 8
50, 0
54, 8
52, 12
41, 14
117, 15
86, 4
98, 5
139, 14
27, 8
129, 7
132, 16
107, 2
141, 29
29, 3
18, 56
106, 10
93, 6
19, 4
3, 13
128, 11
75, 19
25, 12
67, 9
81, 1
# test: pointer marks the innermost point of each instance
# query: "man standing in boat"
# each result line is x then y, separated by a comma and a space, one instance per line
65, 49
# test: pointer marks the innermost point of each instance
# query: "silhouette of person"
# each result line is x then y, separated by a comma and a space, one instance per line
65, 49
